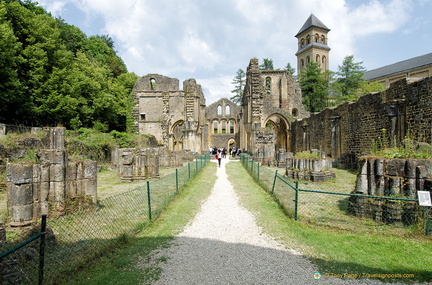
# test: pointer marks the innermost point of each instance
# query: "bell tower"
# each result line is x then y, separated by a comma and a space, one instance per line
312, 44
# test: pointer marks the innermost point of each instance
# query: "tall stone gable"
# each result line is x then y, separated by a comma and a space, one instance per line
271, 102
175, 117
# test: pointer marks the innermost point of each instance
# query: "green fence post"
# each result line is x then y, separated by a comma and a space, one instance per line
296, 201
177, 182
42, 249
189, 170
252, 168
149, 201
274, 182
427, 216
258, 172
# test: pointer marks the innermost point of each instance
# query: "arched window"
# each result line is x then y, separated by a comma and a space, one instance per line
307, 60
224, 127
323, 39
227, 110
215, 127
324, 62
231, 126
219, 110
302, 43
308, 40
302, 62
268, 85
152, 84
317, 38
318, 59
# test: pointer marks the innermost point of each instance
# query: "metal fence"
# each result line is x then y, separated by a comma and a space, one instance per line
334, 206
75, 239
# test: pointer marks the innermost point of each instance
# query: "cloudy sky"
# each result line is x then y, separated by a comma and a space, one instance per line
209, 40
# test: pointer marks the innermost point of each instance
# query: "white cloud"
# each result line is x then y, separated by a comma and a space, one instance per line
210, 40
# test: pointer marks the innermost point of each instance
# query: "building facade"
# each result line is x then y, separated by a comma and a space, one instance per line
412, 69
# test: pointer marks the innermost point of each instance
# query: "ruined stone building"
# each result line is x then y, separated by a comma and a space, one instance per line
272, 100
175, 117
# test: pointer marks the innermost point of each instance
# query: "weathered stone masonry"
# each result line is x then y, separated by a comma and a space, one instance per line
348, 130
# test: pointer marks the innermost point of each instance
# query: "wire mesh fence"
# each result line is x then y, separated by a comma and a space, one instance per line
334, 206
75, 239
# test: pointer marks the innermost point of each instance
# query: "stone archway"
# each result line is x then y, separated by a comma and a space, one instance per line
231, 143
279, 126
176, 135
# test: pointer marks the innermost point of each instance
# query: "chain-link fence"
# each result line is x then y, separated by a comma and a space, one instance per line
334, 206
74, 239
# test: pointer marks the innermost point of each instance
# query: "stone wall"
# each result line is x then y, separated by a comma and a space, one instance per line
347, 131
48, 186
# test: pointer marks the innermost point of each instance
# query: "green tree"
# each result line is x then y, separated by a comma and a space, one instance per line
349, 77
239, 83
314, 86
267, 64
289, 68
11, 98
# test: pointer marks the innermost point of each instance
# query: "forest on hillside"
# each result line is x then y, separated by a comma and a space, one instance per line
52, 74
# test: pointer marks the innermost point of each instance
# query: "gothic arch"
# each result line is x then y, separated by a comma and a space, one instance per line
176, 134
279, 125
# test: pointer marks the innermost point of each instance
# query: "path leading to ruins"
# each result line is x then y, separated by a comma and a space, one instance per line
224, 245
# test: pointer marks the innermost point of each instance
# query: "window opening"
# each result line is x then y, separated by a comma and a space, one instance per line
215, 127
153, 84
219, 110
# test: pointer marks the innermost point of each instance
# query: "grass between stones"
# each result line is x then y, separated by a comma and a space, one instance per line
336, 252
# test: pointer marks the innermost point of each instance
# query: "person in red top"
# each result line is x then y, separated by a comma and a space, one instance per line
219, 158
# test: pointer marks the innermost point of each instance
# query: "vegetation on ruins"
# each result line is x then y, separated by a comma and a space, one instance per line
53, 74
409, 148
97, 145
267, 64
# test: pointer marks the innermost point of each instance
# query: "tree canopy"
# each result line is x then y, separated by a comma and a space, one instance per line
314, 86
53, 74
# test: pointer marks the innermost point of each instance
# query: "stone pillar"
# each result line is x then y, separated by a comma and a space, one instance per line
54, 161
20, 193
90, 179
362, 183
2, 130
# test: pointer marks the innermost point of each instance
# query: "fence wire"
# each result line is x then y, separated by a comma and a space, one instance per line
75, 239
336, 207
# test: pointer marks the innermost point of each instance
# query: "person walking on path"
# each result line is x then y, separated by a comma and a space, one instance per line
218, 158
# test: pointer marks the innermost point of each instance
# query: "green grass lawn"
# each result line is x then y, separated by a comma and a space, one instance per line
336, 251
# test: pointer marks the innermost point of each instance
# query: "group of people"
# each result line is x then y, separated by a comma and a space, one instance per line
220, 153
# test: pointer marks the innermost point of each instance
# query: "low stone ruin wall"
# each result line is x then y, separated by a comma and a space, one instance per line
136, 163
316, 170
390, 177
48, 186
144, 163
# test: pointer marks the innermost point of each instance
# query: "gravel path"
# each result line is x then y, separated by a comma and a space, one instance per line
224, 245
